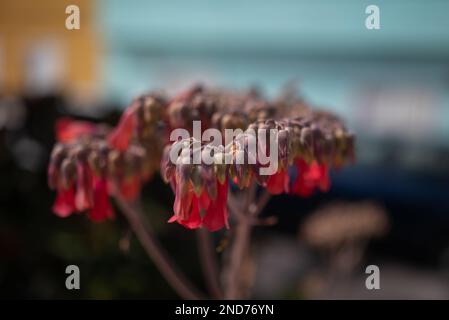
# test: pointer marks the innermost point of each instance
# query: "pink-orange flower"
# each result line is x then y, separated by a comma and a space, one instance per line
216, 216
79, 189
68, 130
188, 207
65, 202
89, 194
120, 137
279, 182
84, 187
101, 208
310, 177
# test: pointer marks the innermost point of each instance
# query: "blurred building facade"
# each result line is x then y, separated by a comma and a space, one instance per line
38, 54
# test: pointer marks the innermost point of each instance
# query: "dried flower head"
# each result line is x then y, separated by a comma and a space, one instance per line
343, 223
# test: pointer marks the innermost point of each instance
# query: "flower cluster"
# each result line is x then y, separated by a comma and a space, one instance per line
201, 189
309, 146
92, 162
219, 109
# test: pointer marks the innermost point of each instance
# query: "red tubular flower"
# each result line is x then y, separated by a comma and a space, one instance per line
279, 182
101, 208
90, 193
188, 206
68, 130
216, 216
84, 187
310, 177
121, 136
65, 202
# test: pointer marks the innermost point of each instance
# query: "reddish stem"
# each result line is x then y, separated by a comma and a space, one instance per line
245, 218
208, 261
154, 250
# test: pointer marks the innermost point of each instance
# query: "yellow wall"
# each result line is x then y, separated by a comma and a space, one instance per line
25, 22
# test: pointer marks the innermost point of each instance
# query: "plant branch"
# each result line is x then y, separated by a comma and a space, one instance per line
262, 202
240, 208
154, 250
246, 218
237, 254
209, 263
234, 207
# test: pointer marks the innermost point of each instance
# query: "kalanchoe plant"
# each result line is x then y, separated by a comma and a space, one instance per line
91, 163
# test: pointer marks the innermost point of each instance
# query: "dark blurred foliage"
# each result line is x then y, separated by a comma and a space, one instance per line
36, 246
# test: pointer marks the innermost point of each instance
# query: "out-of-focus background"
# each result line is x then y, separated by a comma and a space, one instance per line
391, 85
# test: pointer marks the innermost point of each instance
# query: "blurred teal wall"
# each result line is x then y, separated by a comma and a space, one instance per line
255, 27
322, 44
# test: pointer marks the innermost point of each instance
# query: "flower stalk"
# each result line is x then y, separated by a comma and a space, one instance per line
209, 263
152, 247
246, 218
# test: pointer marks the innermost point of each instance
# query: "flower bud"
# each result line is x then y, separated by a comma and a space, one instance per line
306, 139
167, 167
68, 173
94, 161
115, 162
283, 147
196, 177
210, 181
57, 156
